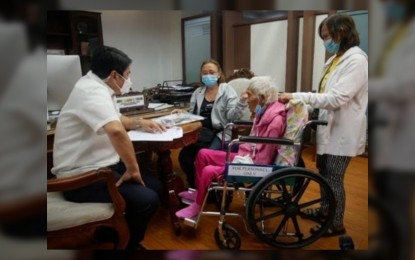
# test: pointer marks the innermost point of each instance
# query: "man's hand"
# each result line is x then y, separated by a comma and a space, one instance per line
151, 126
134, 176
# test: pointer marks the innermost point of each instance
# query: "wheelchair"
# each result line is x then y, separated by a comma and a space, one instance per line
278, 196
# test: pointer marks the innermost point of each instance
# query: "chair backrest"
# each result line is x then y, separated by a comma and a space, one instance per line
63, 71
297, 117
239, 85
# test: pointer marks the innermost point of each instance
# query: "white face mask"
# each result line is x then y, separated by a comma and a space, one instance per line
125, 88
126, 85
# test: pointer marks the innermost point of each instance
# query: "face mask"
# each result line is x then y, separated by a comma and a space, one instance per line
259, 110
331, 46
210, 80
126, 85
394, 11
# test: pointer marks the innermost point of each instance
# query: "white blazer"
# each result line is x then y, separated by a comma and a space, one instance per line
343, 105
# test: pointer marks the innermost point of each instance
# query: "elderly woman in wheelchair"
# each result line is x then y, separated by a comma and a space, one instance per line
269, 121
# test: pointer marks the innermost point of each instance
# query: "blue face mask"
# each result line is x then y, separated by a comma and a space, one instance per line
210, 80
259, 110
395, 11
331, 46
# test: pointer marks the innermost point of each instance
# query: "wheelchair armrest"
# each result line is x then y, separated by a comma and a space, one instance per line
243, 122
265, 140
81, 180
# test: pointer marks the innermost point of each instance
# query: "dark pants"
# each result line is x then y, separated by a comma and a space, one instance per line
141, 202
333, 168
187, 157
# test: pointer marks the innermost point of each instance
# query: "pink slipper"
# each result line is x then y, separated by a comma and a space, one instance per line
189, 195
189, 212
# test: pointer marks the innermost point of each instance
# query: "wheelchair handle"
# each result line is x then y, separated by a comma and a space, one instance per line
317, 122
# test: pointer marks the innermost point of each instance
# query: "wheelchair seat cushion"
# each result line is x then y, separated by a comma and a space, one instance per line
297, 116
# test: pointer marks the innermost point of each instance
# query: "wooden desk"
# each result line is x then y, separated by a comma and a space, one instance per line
171, 181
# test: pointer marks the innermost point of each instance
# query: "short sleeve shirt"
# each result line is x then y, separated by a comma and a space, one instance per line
80, 142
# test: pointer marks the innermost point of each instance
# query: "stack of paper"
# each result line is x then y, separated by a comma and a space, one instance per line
169, 135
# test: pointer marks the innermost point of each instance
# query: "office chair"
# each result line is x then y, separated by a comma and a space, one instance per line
72, 225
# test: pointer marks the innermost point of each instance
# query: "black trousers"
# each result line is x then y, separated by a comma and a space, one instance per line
333, 168
141, 202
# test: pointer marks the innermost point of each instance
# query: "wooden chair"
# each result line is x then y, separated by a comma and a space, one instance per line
72, 225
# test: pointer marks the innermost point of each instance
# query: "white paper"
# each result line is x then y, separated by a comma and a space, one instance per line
169, 135
159, 106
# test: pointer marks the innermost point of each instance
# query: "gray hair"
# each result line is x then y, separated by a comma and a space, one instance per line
264, 86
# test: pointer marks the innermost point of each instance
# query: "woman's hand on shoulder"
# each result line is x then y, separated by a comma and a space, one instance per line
285, 97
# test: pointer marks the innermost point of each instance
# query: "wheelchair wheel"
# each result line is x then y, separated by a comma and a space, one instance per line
284, 224
232, 239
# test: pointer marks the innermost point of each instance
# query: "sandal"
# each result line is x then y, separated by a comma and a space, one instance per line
317, 213
331, 231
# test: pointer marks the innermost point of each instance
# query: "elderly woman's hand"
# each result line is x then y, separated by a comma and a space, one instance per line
244, 95
285, 97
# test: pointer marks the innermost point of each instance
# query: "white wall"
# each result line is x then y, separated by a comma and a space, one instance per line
269, 50
152, 39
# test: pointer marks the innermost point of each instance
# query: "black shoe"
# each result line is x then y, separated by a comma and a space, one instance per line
136, 247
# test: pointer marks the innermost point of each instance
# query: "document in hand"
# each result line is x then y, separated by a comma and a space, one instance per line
169, 135
178, 119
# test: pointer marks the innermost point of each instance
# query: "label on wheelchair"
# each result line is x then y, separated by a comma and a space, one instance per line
248, 172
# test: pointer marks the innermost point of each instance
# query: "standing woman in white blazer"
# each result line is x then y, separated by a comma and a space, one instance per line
342, 101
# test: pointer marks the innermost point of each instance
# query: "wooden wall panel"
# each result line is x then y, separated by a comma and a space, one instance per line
307, 53
242, 46
292, 52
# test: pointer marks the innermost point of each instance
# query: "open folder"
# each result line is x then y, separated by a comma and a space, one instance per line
171, 133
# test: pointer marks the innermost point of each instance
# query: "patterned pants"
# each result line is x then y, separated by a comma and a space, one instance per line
333, 168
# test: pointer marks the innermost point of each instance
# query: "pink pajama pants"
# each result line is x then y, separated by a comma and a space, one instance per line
209, 165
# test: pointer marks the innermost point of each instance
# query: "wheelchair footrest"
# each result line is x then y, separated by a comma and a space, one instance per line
190, 222
186, 201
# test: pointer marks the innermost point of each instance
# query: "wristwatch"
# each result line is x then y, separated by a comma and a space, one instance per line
137, 124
